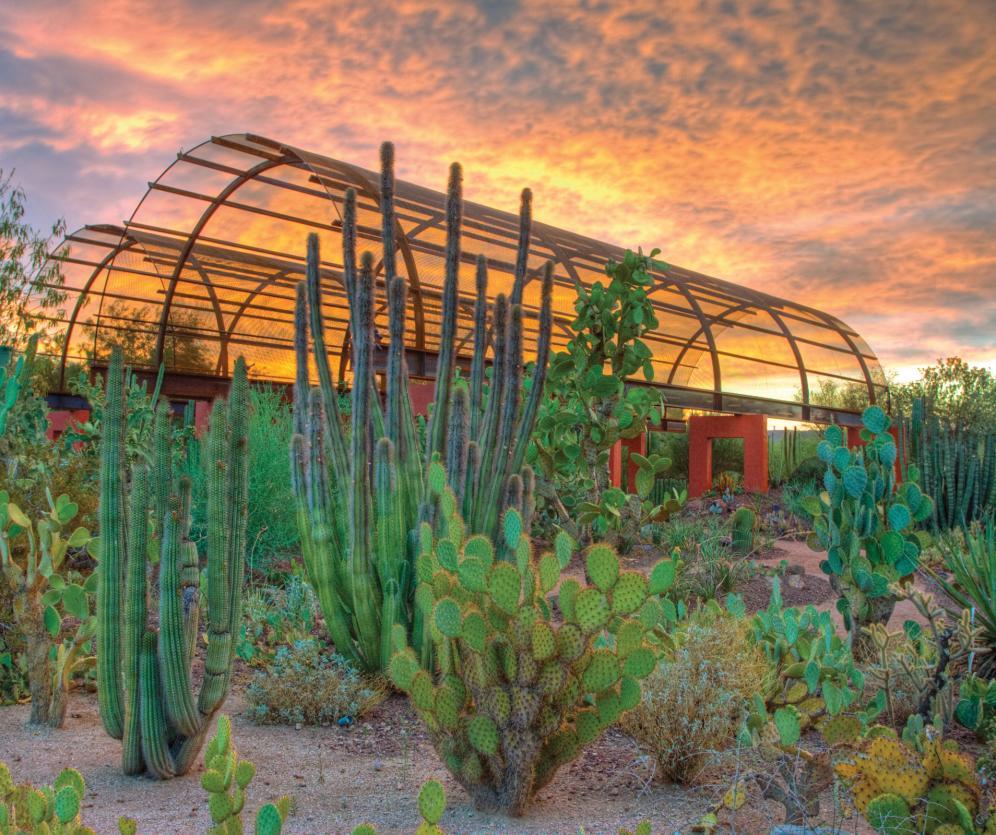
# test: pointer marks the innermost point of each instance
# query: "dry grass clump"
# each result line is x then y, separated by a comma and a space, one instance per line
304, 685
693, 703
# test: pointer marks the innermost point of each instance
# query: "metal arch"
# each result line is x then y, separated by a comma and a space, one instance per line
803, 374
260, 285
84, 292
218, 316
832, 322
206, 215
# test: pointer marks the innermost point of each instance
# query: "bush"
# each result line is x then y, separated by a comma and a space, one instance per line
694, 702
275, 617
307, 686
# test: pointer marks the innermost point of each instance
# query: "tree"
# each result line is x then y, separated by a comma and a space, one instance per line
962, 394
31, 283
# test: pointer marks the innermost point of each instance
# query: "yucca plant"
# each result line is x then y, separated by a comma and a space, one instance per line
973, 584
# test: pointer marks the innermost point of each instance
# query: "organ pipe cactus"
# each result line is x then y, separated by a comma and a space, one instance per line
865, 523
515, 694
14, 377
144, 672
360, 494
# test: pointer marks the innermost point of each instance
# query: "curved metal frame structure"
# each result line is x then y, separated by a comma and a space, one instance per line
206, 266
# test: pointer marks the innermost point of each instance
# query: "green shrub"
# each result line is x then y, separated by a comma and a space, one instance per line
695, 700
274, 617
307, 686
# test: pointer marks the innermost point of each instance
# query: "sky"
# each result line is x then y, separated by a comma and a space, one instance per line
840, 154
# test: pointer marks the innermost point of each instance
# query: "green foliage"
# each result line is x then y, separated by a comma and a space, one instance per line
515, 694
274, 617
360, 497
694, 701
31, 282
304, 685
957, 464
144, 674
865, 523
589, 407
15, 376
972, 584
45, 595
959, 394
226, 779
976, 708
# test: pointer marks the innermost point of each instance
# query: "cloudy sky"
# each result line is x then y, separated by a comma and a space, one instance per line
842, 154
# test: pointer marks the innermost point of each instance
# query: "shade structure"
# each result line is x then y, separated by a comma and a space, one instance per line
206, 267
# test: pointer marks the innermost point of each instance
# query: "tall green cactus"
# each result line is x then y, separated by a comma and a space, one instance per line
865, 521
14, 377
360, 494
957, 465
144, 672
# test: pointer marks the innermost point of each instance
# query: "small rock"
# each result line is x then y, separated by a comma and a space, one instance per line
795, 581
377, 766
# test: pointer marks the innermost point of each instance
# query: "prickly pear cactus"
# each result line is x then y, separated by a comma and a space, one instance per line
225, 779
900, 789
516, 695
49, 809
864, 521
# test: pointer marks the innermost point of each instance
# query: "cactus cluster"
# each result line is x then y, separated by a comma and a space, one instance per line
743, 527
865, 522
957, 465
226, 778
32, 556
786, 463
902, 790
50, 809
14, 376
360, 494
810, 667
144, 671
516, 695
431, 805
976, 708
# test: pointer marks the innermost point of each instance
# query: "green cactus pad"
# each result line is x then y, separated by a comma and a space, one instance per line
432, 801
543, 640
662, 577
402, 669
422, 692
67, 777
551, 678
473, 574
505, 586
497, 704
602, 671
889, 814
629, 693
447, 705
448, 617
36, 803
603, 566
588, 726
567, 597
446, 554
470, 769
268, 820
570, 641
629, 592
220, 807
512, 528
213, 781
474, 631
244, 772
479, 548
66, 804
549, 572
591, 609
436, 478
483, 734
563, 547
640, 663
875, 420
854, 478
365, 829
842, 730
629, 637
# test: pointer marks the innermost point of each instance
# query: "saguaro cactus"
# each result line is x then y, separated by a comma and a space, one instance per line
144, 672
360, 496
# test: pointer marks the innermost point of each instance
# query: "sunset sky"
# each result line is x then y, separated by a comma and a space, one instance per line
841, 154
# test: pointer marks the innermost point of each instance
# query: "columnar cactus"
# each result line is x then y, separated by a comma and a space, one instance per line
144, 673
744, 524
14, 376
516, 695
865, 521
360, 495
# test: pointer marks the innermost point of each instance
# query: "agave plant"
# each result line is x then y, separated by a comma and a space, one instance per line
973, 584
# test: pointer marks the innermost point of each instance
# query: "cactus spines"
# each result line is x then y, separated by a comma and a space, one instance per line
516, 695
744, 524
144, 673
361, 495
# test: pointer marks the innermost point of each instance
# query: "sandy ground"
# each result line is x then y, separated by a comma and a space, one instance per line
372, 772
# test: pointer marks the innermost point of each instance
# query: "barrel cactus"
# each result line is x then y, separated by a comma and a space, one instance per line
360, 494
743, 526
864, 521
516, 694
144, 676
